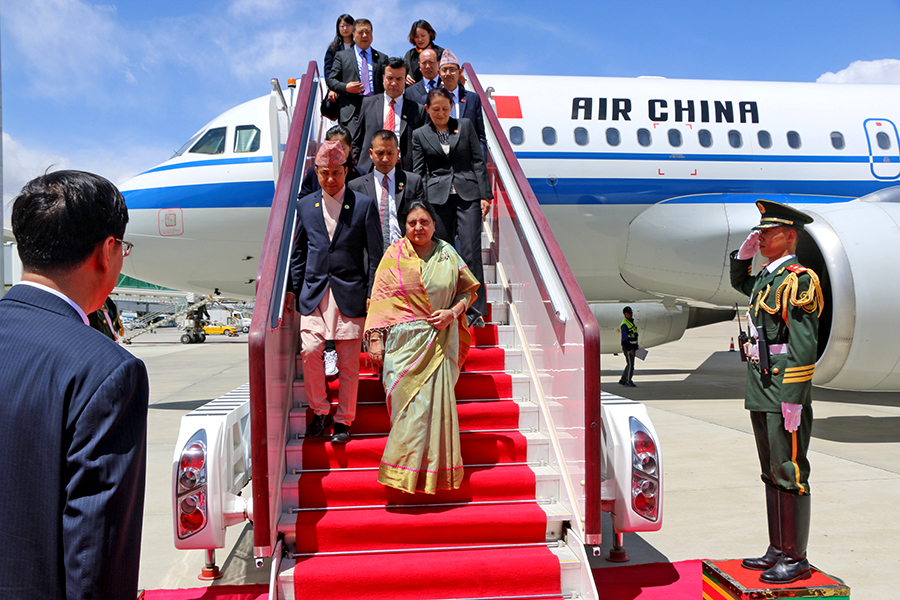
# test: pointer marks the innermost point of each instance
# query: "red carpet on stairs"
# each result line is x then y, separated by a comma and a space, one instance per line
366, 516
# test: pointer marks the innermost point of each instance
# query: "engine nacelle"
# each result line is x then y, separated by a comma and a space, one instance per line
859, 258
657, 323
678, 250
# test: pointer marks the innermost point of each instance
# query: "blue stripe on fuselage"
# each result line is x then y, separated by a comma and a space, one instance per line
211, 163
651, 191
675, 156
240, 194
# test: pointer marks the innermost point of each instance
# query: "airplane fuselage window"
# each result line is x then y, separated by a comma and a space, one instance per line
884, 142
734, 139
674, 138
612, 137
246, 138
548, 134
643, 136
837, 140
764, 139
516, 136
581, 136
212, 142
793, 139
705, 138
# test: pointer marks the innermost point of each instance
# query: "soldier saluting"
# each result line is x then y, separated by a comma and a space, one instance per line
783, 319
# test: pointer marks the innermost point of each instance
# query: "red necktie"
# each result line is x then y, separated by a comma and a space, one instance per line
390, 116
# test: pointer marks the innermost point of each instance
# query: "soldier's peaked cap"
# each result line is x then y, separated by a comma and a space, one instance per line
776, 214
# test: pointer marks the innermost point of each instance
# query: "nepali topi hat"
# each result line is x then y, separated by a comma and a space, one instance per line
776, 214
331, 154
448, 58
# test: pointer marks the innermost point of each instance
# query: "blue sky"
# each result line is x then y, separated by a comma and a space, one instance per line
116, 87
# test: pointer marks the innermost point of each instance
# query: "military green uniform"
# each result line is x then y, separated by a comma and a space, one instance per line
785, 304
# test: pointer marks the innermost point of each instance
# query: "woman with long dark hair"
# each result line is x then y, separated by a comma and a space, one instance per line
343, 39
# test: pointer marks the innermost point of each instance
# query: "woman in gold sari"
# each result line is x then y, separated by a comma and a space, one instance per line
416, 328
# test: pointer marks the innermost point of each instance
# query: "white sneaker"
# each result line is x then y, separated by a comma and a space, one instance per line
331, 366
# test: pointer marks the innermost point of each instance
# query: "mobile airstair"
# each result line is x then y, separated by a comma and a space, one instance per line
541, 464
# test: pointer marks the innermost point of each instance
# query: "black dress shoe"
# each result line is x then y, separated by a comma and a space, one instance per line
341, 433
318, 425
631, 384
625, 383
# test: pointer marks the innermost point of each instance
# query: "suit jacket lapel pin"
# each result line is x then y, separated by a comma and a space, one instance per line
317, 205
400, 186
347, 206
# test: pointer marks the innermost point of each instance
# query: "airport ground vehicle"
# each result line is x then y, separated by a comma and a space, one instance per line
217, 328
530, 412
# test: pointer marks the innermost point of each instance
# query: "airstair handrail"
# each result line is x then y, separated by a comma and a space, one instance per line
273, 330
582, 314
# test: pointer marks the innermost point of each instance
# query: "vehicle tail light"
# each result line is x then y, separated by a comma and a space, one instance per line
644, 472
191, 496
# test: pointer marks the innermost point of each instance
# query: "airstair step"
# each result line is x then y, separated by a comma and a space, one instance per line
535, 573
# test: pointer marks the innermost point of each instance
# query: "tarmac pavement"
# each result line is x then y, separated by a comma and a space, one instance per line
713, 503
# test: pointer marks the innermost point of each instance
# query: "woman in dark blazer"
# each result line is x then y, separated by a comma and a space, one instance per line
421, 36
447, 156
343, 39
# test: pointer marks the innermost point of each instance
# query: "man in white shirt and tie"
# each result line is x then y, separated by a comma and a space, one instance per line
391, 186
428, 64
356, 73
390, 111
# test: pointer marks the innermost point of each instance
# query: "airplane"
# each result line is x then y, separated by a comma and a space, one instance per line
647, 183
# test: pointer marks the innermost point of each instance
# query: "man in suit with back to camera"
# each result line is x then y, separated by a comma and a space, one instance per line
428, 65
786, 301
73, 403
392, 187
338, 248
356, 73
390, 111
466, 105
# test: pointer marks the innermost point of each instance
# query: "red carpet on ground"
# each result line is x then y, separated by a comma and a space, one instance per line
654, 581
493, 507
214, 592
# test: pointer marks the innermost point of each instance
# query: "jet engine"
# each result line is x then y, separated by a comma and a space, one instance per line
678, 250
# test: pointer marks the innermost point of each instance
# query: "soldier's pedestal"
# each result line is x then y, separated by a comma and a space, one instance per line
728, 580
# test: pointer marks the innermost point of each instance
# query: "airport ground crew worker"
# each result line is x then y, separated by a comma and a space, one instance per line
783, 319
629, 345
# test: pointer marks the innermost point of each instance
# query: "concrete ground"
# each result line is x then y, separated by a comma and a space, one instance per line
714, 504
714, 501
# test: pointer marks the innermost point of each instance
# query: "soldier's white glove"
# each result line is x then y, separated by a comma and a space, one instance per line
791, 414
750, 246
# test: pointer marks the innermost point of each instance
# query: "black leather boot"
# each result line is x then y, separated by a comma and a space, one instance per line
793, 565
773, 552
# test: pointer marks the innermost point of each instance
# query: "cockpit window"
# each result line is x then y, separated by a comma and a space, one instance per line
212, 142
188, 144
246, 138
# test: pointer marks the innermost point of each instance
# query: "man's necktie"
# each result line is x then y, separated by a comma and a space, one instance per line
389, 121
367, 88
385, 211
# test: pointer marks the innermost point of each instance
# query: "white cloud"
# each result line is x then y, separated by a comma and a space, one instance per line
67, 45
886, 70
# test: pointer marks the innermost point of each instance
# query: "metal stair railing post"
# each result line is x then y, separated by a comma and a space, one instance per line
273, 330
582, 315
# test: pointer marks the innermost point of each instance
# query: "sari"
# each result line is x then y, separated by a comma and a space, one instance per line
421, 364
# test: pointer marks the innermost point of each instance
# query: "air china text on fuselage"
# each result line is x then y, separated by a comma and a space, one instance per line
659, 110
